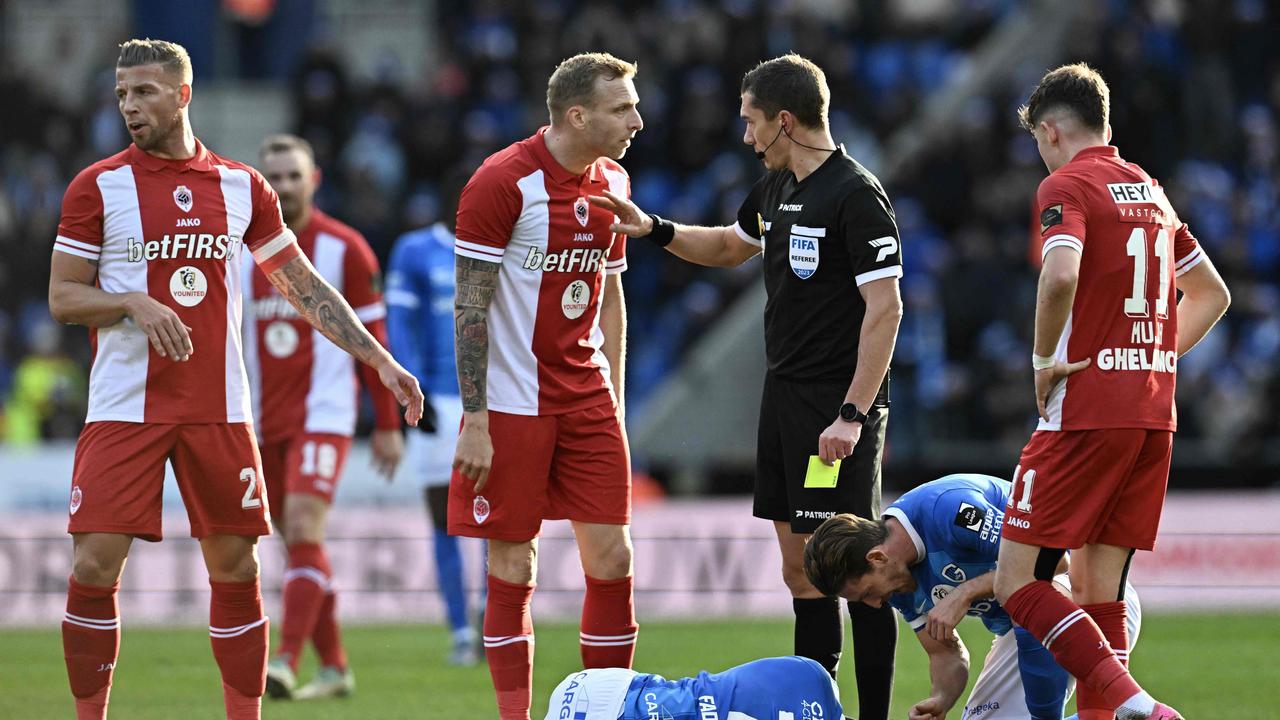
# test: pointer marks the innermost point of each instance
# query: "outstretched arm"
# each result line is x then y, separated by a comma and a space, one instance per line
948, 675
327, 311
713, 246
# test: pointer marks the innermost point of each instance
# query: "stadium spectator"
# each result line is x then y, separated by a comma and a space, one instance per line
420, 285
773, 687
540, 331
146, 256
304, 391
830, 324
932, 556
1109, 329
48, 395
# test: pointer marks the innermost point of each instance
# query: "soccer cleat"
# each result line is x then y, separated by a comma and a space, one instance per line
464, 655
328, 682
1159, 712
280, 678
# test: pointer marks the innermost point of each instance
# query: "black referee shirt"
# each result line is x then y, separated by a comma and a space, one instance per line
821, 237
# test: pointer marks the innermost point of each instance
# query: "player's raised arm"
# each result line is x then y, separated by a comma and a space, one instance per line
712, 246
476, 280
327, 311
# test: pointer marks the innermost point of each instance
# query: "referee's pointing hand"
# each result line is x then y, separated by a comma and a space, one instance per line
632, 221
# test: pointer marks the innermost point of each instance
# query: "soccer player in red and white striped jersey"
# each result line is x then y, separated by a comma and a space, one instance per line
1109, 331
540, 328
305, 405
147, 256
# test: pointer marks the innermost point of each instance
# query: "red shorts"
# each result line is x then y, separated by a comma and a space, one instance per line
307, 463
1082, 487
118, 480
574, 466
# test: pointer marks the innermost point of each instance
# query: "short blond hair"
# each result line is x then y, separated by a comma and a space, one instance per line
574, 81
171, 56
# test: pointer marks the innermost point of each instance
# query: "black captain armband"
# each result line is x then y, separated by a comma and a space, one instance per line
663, 232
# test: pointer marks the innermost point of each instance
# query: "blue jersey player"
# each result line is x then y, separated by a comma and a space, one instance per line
419, 297
781, 688
932, 556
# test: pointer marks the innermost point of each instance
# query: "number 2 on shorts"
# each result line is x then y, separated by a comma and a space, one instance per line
249, 502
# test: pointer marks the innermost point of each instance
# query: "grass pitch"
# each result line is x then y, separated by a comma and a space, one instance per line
1209, 666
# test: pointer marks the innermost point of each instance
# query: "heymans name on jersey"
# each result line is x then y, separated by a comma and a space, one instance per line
183, 245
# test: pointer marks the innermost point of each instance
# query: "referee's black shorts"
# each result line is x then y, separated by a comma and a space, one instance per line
792, 417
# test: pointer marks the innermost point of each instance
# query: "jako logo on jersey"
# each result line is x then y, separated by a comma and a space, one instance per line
575, 260
189, 246
188, 286
707, 708
574, 300
189, 222
1017, 522
582, 211
480, 509
804, 250
76, 498
182, 197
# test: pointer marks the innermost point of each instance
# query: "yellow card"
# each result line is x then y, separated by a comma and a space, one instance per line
820, 474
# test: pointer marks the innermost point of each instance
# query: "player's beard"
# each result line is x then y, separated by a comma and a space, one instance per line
160, 132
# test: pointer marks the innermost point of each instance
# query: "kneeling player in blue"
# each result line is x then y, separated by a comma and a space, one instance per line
932, 556
781, 688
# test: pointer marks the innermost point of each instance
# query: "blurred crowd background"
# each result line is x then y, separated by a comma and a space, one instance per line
1195, 87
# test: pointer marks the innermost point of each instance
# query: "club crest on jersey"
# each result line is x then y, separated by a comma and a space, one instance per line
182, 196
76, 498
803, 253
582, 211
480, 509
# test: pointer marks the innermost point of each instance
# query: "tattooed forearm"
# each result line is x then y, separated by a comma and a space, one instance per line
324, 308
476, 281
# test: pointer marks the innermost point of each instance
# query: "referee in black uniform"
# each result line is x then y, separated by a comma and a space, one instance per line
832, 260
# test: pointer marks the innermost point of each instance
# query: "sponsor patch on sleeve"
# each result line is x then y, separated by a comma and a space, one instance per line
970, 517
1051, 216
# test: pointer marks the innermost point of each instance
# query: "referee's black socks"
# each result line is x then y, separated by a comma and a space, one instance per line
875, 640
819, 630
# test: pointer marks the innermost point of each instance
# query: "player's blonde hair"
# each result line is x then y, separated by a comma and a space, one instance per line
1077, 88
837, 552
574, 80
172, 56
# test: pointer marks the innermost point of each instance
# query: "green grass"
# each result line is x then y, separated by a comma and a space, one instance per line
1209, 666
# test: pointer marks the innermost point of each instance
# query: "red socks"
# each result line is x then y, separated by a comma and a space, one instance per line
608, 630
326, 638
1075, 640
238, 634
306, 582
508, 646
1110, 618
90, 644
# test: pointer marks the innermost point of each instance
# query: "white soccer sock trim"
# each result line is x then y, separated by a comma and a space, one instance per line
92, 623
626, 636
616, 643
1062, 626
231, 632
492, 641
307, 573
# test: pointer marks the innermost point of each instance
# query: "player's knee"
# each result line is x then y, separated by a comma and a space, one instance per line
1006, 584
95, 568
231, 559
795, 579
304, 519
513, 562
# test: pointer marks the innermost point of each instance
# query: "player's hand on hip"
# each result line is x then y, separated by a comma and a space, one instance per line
474, 456
632, 221
405, 386
387, 447
168, 335
1048, 378
928, 709
837, 441
946, 614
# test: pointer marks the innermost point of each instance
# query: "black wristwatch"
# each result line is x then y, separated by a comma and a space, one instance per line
850, 413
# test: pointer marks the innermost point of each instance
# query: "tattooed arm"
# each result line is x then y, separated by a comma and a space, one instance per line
476, 281
327, 311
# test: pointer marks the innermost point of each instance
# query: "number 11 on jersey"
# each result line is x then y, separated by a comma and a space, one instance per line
1136, 304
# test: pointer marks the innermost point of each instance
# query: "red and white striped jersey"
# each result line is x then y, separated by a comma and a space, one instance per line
1125, 312
172, 229
301, 381
525, 211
